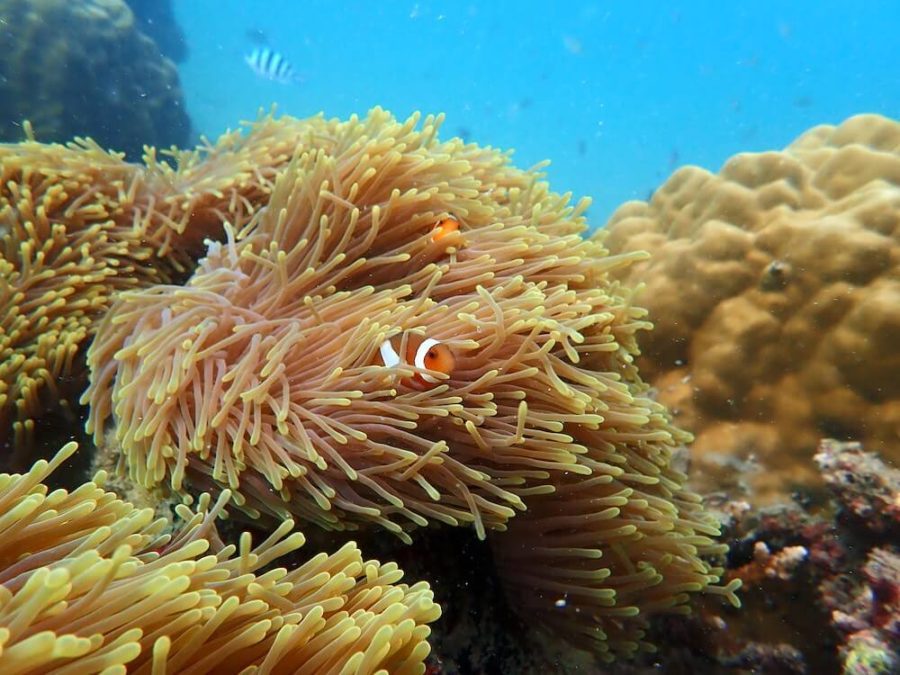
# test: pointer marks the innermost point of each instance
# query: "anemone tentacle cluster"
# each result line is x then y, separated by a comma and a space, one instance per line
79, 224
288, 370
91, 584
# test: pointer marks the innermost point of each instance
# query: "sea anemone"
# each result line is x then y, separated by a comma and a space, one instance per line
413, 331
79, 224
90, 584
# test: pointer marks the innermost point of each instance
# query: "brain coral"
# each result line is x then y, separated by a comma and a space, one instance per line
88, 584
78, 224
414, 331
774, 287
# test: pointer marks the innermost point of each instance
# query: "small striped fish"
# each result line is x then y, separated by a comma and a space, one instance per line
271, 65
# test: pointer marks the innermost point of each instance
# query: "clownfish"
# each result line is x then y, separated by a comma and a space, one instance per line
444, 228
423, 353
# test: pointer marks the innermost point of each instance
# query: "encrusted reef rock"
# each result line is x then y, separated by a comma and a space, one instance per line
821, 581
868, 489
84, 69
774, 287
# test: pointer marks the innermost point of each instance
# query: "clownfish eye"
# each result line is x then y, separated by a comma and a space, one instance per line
444, 228
435, 356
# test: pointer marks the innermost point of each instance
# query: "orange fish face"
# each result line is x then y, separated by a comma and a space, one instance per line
444, 228
419, 352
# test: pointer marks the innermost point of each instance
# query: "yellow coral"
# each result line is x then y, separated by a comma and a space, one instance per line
774, 288
90, 584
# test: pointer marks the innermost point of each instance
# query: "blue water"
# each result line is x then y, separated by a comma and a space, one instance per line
617, 95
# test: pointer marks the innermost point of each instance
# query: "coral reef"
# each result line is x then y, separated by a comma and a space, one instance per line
867, 488
869, 619
78, 224
89, 584
290, 369
84, 69
774, 288
821, 580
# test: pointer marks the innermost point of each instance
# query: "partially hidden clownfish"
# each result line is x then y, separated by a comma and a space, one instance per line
444, 228
422, 353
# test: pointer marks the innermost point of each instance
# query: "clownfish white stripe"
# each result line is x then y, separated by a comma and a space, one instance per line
389, 355
421, 352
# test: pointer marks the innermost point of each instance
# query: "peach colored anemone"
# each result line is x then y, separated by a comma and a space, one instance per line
264, 373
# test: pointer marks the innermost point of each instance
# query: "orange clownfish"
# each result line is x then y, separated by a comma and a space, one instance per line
444, 228
423, 353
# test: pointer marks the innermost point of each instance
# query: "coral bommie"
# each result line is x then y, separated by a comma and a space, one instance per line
774, 286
